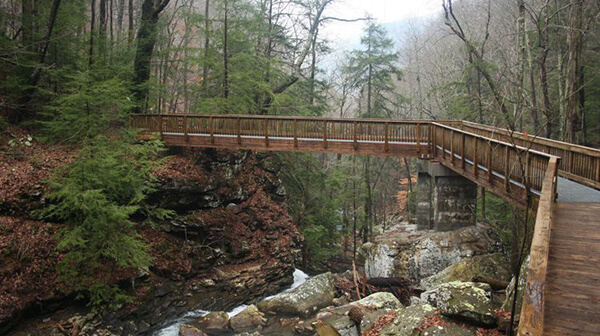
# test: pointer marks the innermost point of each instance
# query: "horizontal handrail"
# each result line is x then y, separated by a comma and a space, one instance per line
511, 171
579, 163
531, 322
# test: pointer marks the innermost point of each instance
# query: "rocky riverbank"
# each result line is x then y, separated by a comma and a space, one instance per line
232, 241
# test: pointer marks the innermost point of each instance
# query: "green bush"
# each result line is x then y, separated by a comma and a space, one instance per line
95, 196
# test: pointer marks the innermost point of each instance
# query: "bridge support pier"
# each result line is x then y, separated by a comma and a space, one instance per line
424, 201
454, 199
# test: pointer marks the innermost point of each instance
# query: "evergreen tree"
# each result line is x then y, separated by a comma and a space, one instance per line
373, 69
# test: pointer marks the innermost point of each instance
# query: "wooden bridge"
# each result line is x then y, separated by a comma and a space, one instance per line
562, 295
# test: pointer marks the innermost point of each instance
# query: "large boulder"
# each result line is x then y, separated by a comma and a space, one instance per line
379, 260
408, 321
248, 319
316, 293
417, 256
214, 322
372, 307
466, 301
494, 266
188, 330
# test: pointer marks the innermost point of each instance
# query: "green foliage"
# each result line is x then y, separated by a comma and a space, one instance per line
314, 203
374, 67
95, 196
89, 108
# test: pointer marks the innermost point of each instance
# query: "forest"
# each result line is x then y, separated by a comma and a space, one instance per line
73, 72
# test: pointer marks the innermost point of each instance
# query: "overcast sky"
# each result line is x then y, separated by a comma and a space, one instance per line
384, 11
346, 36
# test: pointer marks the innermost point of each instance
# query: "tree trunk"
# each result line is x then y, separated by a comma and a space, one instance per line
573, 68
146, 38
130, 28
206, 46
92, 33
225, 54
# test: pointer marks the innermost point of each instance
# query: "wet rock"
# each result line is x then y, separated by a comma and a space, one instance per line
494, 266
214, 322
408, 320
467, 301
317, 292
248, 319
188, 330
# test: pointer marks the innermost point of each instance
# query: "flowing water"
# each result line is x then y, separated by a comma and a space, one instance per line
173, 329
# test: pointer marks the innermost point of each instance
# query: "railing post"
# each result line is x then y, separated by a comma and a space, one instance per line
475, 163
431, 139
239, 130
506, 168
355, 135
185, 129
527, 180
386, 146
489, 162
212, 130
452, 147
418, 137
296, 132
267, 132
462, 152
160, 127
443, 143
325, 133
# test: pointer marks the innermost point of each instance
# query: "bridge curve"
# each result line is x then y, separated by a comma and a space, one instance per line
509, 164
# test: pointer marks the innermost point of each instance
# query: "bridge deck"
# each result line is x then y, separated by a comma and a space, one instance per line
572, 300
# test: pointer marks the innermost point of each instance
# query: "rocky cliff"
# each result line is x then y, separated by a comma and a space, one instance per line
231, 241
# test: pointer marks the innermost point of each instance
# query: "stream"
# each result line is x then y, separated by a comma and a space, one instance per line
173, 329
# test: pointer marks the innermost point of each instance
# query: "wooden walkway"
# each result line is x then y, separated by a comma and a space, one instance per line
573, 279
562, 293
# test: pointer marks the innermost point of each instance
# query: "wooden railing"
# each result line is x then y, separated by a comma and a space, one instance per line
531, 322
504, 168
578, 163
363, 136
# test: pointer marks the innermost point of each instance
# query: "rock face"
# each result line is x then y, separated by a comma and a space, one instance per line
417, 256
466, 301
232, 241
248, 319
314, 294
494, 266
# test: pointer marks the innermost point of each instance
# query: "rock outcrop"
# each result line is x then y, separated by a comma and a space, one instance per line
417, 256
